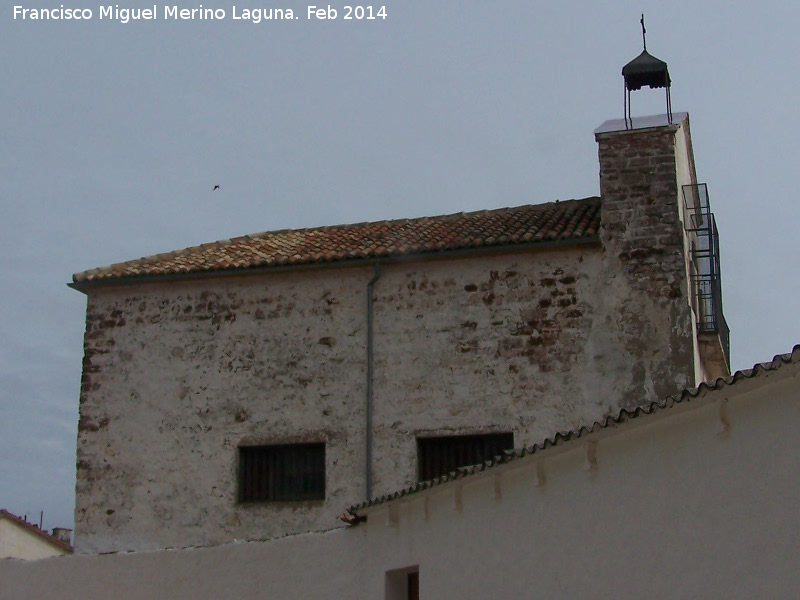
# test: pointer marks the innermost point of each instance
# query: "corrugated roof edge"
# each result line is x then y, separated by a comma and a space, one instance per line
89, 275
351, 516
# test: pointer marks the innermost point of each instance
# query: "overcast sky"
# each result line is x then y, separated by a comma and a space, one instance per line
113, 135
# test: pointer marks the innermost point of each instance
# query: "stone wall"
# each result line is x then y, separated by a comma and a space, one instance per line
179, 374
645, 251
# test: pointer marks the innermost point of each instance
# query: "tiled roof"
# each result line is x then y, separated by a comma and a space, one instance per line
572, 220
35, 530
351, 516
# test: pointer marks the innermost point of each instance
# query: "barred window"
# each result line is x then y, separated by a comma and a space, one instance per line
437, 456
282, 473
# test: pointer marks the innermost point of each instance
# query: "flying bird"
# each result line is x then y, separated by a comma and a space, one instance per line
216, 187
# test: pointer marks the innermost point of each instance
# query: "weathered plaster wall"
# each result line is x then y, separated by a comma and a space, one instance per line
178, 374
478, 345
529, 343
696, 501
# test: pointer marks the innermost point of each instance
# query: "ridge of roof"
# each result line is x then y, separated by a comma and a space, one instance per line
350, 516
569, 220
34, 529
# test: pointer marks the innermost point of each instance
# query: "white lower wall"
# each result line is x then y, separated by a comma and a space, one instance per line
681, 504
17, 542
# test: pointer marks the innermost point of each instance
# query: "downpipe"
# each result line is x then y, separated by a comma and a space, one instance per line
370, 390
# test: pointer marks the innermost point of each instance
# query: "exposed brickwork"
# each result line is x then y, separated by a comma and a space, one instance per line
643, 237
638, 182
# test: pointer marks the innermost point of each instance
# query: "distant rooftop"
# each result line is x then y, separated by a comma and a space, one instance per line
568, 221
34, 530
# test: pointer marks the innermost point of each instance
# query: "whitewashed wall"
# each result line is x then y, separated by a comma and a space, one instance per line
699, 500
17, 542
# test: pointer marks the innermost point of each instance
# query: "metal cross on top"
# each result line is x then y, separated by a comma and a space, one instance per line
645, 70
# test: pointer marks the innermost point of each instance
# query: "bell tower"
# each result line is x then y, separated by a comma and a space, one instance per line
645, 70
660, 237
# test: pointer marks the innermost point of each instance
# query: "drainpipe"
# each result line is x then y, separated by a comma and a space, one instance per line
370, 336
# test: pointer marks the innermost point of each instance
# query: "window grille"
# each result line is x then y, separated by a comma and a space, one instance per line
282, 473
437, 456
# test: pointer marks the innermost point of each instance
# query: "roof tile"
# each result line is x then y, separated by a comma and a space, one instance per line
565, 221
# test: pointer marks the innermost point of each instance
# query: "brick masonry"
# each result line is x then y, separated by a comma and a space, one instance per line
643, 237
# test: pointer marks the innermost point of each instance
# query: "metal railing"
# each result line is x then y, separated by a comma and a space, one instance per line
705, 266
